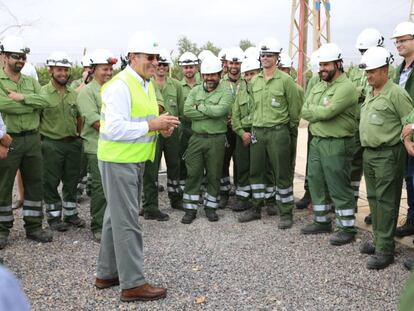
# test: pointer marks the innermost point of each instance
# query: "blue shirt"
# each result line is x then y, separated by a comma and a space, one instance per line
12, 297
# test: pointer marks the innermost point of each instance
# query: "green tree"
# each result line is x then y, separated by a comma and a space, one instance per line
210, 46
245, 43
186, 45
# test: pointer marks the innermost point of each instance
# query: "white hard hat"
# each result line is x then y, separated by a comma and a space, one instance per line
270, 45
86, 60
234, 54
204, 53
13, 44
375, 57
252, 52
329, 52
188, 58
285, 61
314, 61
250, 63
222, 54
165, 57
143, 42
211, 64
59, 59
368, 38
102, 57
402, 29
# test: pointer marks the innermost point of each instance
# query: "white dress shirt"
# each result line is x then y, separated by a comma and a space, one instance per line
117, 98
2, 127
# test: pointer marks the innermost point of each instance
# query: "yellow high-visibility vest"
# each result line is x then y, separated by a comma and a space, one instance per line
144, 107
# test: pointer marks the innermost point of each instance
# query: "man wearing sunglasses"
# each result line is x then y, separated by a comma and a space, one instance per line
20, 100
173, 102
128, 131
89, 104
61, 146
276, 117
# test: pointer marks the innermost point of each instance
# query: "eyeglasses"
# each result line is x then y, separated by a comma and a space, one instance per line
16, 56
263, 55
151, 57
401, 41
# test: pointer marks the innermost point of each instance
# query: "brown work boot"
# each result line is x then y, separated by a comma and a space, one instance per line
144, 292
75, 221
106, 283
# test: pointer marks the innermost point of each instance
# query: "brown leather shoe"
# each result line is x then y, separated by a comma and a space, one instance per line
144, 292
106, 283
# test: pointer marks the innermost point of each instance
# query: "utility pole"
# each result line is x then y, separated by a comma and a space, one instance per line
304, 13
411, 13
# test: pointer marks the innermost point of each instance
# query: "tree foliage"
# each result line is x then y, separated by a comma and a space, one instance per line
245, 43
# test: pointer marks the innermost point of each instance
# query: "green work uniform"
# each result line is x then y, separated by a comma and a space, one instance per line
407, 296
22, 122
277, 106
76, 83
359, 79
185, 130
208, 113
233, 86
61, 149
89, 104
331, 109
382, 119
170, 146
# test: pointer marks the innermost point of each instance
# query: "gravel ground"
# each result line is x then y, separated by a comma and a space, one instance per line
211, 266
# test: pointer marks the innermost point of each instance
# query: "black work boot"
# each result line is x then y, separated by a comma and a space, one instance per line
75, 221
368, 219
211, 214
304, 202
315, 228
58, 225
189, 216
3, 241
251, 214
156, 215
224, 199
379, 261
241, 206
285, 222
177, 204
40, 235
272, 210
367, 248
409, 264
341, 238
405, 230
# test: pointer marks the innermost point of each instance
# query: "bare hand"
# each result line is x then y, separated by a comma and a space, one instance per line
246, 138
3, 152
16, 96
167, 133
409, 146
407, 131
6, 140
163, 122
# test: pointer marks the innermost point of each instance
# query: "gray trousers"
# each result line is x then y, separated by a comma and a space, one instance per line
121, 253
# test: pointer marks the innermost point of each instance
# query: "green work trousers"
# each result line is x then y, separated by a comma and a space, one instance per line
329, 171
273, 148
25, 154
229, 150
384, 172
356, 167
98, 201
61, 160
185, 135
242, 157
205, 154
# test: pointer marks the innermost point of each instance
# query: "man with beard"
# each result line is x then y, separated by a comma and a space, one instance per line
89, 104
276, 115
172, 95
61, 146
189, 65
207, 106
19, 99
331, 110
234, 57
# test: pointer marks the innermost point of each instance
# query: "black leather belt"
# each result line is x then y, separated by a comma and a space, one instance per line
24, 133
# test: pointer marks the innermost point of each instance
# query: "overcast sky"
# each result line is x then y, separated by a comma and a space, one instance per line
74, 25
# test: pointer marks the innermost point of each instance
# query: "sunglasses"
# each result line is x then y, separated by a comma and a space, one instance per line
402, 41
263, 55
17, 56
151, 57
